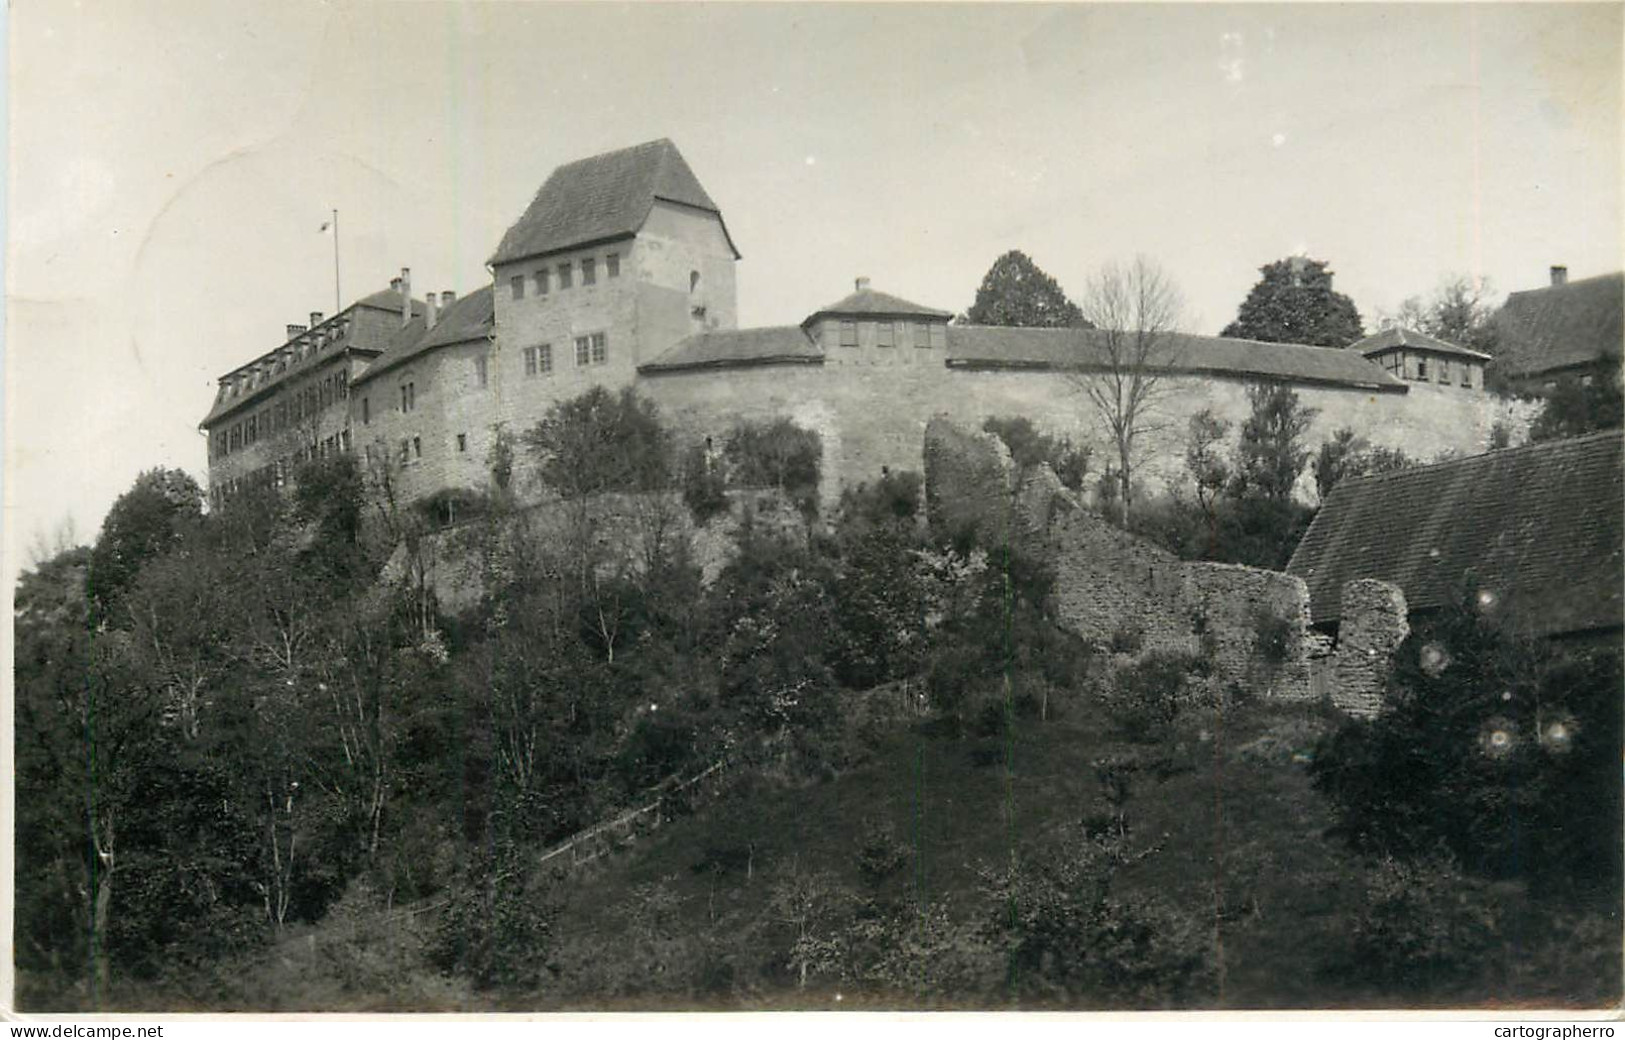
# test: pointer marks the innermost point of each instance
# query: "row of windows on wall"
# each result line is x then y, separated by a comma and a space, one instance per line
288, 410
278, 472
897, 333
303, 346
545, 279
1441, 371
410, 449
591, 349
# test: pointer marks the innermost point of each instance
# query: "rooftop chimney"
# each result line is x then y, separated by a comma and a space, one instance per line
406, 296
295, 330
1560, 274
394, 285
315, 318
446, 299
862, 283
429, 315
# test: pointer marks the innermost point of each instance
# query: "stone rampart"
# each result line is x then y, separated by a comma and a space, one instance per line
1372, 625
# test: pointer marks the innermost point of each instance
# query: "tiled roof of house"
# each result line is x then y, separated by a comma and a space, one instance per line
1391, 339
869, 303
781, 344
1558, 326
603, 197
989, 346
468, 318
365, 331
1539, 528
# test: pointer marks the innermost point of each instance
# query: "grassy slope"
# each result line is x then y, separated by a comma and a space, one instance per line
1239, 827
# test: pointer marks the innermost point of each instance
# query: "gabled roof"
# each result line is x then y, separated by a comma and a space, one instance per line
1540, 527
782, 344
992, 346
365, 330
469, 318
867, 303
604, 197
1397, 338
1560, 326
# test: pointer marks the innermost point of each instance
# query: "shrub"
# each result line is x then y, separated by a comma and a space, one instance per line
704, 484
880, 854
1422, 925
1029, 448
1272, 635
497, 927
1145, 698
1127, 638
776, 454
891, 500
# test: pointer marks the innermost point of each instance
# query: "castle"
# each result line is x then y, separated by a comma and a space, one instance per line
621, 273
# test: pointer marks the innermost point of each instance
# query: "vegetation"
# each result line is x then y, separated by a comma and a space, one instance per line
1015, 291
1461, 310
1294, 303
1029, 448
1577, 406
271, 773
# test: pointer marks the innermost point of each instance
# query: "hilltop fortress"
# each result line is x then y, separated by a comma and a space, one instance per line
621, 273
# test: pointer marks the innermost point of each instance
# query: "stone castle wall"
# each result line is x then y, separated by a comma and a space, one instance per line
1372, 626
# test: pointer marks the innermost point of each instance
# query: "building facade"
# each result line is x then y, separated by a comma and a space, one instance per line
621, 272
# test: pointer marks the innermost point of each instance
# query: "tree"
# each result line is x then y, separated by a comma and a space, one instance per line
1576, 407
1271, 454
599, 442
1294, 303
1207, 466
1134, 310
1016, 291
1461, 311
1350, 455
143, 523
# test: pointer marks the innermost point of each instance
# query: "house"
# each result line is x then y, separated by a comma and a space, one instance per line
1562, 330
1408, 354
1535, 535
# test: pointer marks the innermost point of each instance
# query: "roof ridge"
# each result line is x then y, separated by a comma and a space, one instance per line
1493, 453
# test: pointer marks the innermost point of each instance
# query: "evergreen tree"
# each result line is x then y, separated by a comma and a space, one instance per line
1016, 291
1294, 303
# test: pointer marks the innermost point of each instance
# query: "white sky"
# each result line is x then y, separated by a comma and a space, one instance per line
171, 162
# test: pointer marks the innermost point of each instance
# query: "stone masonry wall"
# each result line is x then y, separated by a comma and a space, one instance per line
1120, 591
1372, 626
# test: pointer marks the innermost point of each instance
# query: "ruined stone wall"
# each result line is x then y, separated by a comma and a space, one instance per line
1119, 591
1372, 625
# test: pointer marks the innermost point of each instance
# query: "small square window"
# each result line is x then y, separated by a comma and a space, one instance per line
922, 334
849, 333
564, 276
541, 281
462, 442
612, 265
517, 284
883, 334
589, 271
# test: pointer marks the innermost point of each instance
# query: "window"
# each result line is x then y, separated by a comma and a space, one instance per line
1422, 369
612, 265
481, 375
406, 448
342, 382
541, 281
693, 281
366, 412
517, 283
530, 361
564, 276
462, 442
1444, 372
593, 349
939, 335
1466, 374
409, 396
417, 447
589, 271
849, 333
344, 441
544, 358
922, 334
883, 335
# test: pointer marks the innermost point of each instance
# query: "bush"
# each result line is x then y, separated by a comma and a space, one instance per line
1272, 635
880, 854
891, 500
704, 485
776, 454
497, 927
1144, 699
1423, 925
1029, 448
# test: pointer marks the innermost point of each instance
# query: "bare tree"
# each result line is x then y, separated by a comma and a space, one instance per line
1134, 309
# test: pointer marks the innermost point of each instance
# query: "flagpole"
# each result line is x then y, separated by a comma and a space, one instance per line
338, 298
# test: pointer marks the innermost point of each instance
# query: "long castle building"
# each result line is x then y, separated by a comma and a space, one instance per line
621, 273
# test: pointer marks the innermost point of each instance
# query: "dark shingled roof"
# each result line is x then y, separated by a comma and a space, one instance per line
990, 346
1559, 326
604, 197
871, 304
1541, 527
468, 318
1396, 338
781, 344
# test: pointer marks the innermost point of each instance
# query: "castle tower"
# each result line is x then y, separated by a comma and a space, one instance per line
618, 257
